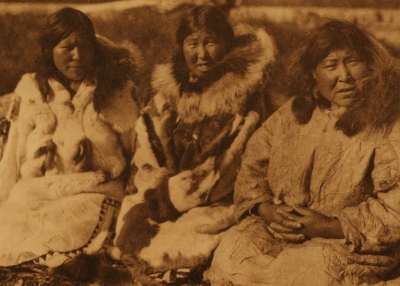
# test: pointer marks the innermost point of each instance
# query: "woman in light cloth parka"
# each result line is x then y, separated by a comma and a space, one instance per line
317, 196
207, 102
72, 136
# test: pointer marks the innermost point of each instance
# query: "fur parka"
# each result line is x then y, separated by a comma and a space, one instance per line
92, 131
190, 139
66, 156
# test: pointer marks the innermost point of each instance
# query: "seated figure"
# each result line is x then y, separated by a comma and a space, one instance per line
318, 193
68, 139
207, 102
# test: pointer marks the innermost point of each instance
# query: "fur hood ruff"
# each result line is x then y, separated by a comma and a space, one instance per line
243, 71
122, 63
167, 195
102, 110
121, 72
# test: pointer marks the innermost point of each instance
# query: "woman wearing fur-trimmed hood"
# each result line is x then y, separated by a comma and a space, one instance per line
207, 102
70, 143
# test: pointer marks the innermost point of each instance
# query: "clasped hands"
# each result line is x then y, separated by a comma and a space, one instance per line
296, 224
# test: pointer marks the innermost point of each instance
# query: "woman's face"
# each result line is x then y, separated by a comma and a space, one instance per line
202, 50
74, 56
337, 76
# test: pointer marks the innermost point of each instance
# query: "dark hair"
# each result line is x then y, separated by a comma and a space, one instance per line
335, 35
204, 17
57, 27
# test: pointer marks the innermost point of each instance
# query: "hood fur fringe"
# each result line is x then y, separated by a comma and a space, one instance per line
122, 63
243, 70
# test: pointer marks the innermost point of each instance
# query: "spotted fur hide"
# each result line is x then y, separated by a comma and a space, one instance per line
175, 218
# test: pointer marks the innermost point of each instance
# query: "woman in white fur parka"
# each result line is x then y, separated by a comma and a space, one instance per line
63, 171
207, 102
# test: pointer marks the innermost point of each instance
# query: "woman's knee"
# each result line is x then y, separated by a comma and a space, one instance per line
240, 253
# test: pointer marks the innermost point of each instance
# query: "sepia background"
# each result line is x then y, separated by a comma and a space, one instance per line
151, 23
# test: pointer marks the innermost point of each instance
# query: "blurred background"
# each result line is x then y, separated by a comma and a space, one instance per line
151, 24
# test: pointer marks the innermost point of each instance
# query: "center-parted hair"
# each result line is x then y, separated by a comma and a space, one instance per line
59, 26
62, 24
333, 36
209, 18
379, 104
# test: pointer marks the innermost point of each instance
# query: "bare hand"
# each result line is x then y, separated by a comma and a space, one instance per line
279, 225
314, 223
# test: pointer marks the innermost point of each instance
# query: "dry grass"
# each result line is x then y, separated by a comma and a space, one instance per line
34, 277
84, 270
